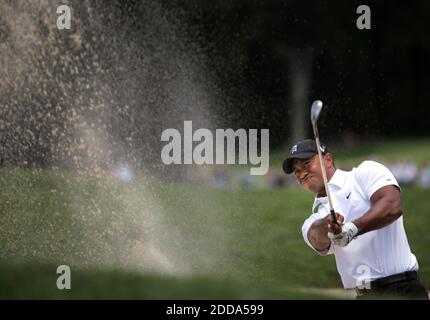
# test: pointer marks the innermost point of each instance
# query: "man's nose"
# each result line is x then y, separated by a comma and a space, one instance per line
303, 174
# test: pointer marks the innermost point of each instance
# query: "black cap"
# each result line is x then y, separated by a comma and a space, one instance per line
304, 149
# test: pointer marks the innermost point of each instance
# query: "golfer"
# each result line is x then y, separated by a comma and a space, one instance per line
368, 240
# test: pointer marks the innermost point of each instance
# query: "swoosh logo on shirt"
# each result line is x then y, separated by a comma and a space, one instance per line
348, 195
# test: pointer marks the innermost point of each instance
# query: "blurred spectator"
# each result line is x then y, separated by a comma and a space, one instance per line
404, 172
407, 173
246, 181
424, 176
276, 179
96, 170
221, 179
124, 172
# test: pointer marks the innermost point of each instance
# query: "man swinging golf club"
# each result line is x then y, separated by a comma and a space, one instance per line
357, 216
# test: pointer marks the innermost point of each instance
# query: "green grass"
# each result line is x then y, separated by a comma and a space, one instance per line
236, 245
221, 244
38, 281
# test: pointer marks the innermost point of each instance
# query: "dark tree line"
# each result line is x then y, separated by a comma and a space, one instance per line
373, 81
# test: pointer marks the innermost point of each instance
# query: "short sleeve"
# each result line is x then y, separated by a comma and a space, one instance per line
320, 213
372, 176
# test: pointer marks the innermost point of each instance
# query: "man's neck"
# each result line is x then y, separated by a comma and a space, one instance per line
330, 173
321, 194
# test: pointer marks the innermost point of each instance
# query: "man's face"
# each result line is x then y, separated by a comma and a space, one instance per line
308, 174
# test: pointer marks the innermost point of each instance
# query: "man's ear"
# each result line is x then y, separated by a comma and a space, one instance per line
329, 160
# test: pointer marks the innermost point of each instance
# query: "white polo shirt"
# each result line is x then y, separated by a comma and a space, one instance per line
372, 255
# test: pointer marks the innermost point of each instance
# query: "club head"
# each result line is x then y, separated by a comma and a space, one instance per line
316, 110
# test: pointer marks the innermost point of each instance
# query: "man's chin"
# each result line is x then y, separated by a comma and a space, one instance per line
312, 188
308, 188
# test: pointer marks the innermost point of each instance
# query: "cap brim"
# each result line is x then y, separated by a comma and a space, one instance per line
286, 165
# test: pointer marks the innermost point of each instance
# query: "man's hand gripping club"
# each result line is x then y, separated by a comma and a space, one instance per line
340, 234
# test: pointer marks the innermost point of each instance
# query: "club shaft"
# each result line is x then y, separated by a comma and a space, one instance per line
324, 172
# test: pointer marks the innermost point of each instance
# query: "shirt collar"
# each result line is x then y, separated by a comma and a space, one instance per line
338, 178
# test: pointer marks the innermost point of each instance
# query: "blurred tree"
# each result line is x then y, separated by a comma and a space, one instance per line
296, 51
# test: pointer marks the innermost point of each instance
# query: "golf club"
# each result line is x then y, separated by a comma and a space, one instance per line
315, 113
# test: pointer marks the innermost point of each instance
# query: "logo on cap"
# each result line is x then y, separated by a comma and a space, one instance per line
294, 149
322, 148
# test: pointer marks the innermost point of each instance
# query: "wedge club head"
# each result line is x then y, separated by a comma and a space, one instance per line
316, 110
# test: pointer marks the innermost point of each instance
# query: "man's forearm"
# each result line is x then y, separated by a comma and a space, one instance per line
382, 213
317, 235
